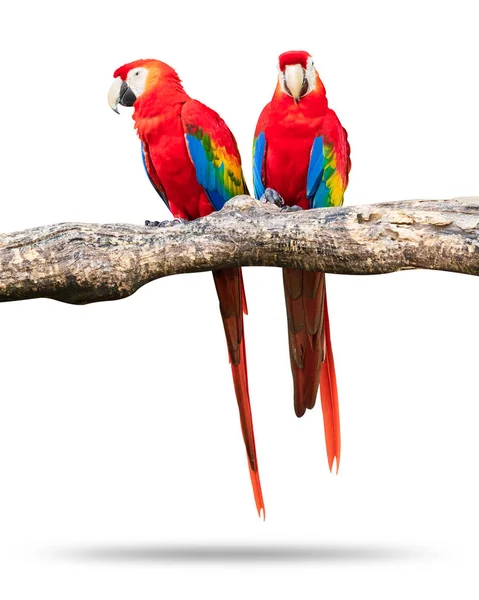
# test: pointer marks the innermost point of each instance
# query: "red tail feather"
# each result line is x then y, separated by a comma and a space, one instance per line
229, 287
312, 362
329, 398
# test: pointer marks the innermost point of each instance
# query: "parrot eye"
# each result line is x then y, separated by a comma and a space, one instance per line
137, 73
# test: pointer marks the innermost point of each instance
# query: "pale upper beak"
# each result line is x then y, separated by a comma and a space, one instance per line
114, 94
294, 78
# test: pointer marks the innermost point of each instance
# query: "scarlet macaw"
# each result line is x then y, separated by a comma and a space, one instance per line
192, 161
301, 159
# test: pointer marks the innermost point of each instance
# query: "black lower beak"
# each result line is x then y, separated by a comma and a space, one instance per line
127, 96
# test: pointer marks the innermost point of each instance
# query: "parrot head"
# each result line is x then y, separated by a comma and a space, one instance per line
141, 78
297, 76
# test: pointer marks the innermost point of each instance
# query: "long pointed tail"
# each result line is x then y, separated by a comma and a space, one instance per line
329, 397
229, 287
311, 356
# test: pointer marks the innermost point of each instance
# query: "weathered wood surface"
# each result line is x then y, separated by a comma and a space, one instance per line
81, 263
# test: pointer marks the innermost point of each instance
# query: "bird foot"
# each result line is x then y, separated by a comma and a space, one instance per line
293, 208
165, 223
271, 196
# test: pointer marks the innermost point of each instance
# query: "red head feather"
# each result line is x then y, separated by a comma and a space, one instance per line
162, 86
148, 63
293, 57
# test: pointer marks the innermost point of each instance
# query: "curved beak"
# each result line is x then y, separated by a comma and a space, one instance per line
120, 93
114, 94
294, 77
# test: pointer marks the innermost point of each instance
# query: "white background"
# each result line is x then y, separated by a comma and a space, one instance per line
122, 468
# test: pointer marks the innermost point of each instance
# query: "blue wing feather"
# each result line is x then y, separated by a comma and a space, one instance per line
207, 175
315, 171
321, 197
213, 151
258, 157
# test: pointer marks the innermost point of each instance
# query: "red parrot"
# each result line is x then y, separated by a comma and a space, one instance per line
192, 161
301, 159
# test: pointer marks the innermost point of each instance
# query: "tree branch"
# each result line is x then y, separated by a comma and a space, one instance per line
81, 263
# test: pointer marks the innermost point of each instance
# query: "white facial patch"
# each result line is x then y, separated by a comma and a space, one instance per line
136, 80
281, 77
310, 74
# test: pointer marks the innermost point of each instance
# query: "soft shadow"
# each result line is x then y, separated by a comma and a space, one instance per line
241, 553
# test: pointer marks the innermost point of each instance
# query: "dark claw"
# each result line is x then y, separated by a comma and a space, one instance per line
271, 196
165, 223
294, 208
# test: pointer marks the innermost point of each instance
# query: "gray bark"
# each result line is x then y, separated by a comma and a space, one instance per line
82, 263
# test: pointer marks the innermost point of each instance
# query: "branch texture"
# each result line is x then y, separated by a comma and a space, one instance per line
81, 263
